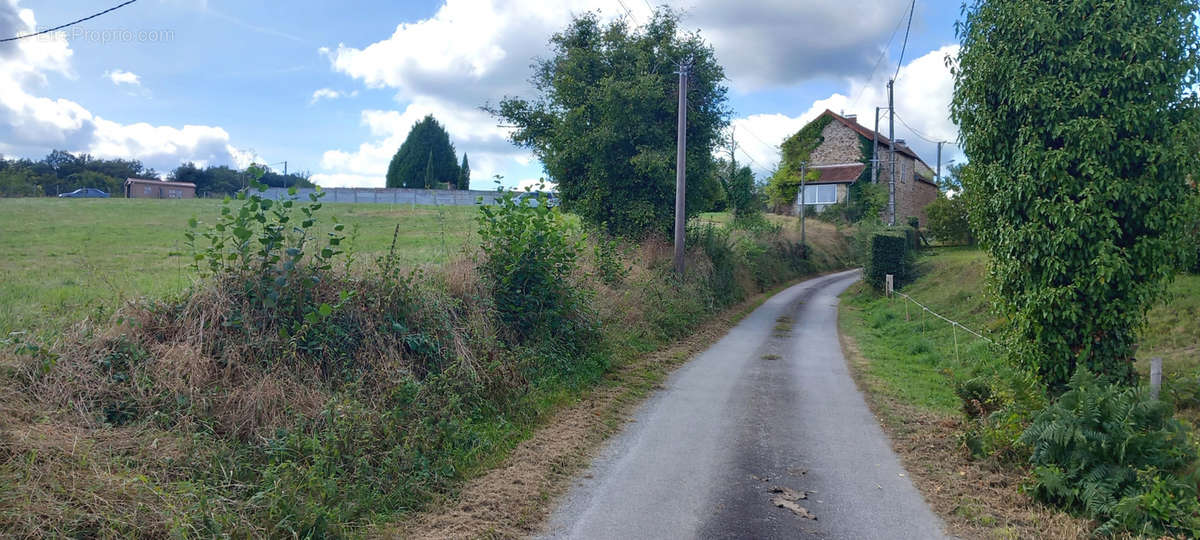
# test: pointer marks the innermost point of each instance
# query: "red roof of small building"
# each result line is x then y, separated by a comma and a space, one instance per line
838, 174
158, 182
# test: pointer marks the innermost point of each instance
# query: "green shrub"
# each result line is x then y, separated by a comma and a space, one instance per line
890, 253
610, 269
716, 244
529, 255
1118, 456
1000, 401
1079, 166
948, 220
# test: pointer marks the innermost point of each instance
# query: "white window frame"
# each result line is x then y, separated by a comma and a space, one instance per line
812, 194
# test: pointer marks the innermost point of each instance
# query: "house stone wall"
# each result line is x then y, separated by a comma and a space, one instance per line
840, 146
912, 195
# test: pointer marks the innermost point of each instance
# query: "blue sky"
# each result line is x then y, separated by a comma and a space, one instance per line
332, 87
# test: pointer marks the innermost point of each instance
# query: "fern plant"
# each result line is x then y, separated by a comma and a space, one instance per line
1117, 456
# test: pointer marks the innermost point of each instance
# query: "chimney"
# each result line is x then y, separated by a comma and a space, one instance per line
852, 118
900, 142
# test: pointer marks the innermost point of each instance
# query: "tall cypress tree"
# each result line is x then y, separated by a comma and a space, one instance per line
464, 174
427, 144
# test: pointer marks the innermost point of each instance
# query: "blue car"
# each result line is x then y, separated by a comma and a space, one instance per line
86, 192
532, 196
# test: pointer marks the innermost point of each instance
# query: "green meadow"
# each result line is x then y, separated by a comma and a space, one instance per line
67, 259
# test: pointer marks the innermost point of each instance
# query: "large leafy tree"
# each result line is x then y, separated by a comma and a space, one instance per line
604, 121
427, 146
1080, 122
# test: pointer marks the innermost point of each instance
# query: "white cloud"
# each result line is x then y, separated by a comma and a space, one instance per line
347, 180
120, 76
475, 51
922, 97
32, 124
471, 130
330, 94
536, 184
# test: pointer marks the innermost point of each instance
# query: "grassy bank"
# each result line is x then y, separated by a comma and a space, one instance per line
907, 362
352, 399
66, 259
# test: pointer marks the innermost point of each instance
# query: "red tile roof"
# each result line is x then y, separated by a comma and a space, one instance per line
838, 174
157, 182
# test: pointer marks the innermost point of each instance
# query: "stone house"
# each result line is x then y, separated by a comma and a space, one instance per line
843, 158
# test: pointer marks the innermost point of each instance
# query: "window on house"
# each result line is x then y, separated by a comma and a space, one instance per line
820, 194
146, 190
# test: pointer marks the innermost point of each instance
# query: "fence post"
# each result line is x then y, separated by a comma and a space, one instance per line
1155, 376
888, 284
954, 330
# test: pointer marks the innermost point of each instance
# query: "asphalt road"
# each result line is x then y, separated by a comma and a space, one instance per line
771, 406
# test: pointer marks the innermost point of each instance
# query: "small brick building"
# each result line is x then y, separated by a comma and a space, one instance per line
148, 188
840, 161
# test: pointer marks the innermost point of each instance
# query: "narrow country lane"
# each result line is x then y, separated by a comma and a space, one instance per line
753, 438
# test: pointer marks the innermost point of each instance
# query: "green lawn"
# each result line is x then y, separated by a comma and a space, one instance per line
66, 259
910, 354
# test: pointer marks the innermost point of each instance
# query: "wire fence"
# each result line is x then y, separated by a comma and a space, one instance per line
954, 325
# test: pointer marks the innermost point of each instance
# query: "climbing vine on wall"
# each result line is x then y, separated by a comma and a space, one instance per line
784, 185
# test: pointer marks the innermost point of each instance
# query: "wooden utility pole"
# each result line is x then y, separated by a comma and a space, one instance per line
681, 168
892, 139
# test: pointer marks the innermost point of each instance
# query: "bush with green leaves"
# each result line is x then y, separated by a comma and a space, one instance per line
948, 220
1118, 456
530, 253
1079, 118
276, 256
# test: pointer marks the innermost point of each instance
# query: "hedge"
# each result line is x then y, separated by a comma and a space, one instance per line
890, 253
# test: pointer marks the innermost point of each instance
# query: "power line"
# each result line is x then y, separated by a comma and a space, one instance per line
917, 133
911, 8
748, 156
878, 61
627, 12
72, 23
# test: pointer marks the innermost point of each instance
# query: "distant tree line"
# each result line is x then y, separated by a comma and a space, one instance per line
224, 179
63, 172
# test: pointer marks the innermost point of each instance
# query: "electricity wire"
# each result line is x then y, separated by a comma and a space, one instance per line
72, 23
912, 7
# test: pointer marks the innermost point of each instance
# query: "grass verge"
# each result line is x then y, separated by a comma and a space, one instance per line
906, 362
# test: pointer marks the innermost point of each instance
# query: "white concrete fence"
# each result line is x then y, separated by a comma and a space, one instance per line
431, 197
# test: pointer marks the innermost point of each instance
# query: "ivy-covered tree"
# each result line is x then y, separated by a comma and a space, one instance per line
427, 144
464, 174
604, 121
1080, 120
